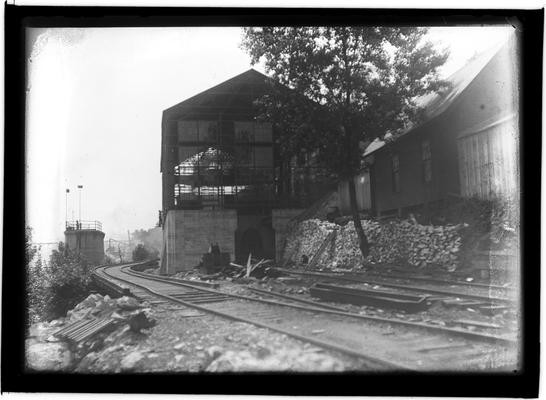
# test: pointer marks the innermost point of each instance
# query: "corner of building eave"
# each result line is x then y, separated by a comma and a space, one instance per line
163, 119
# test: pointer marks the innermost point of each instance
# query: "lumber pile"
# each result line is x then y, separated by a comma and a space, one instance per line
401, 241
255, 269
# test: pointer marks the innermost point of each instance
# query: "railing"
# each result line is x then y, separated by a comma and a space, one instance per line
81, 225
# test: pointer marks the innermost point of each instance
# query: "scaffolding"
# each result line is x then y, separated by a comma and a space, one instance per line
216, 154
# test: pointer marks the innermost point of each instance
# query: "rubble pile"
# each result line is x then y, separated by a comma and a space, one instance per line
97, 306
391, 242
129, 314
305, 240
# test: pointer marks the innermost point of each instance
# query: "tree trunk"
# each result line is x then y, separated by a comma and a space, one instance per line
362, 239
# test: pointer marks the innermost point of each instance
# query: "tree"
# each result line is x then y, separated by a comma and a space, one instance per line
152, 239
57, 286
32, 274
140, 253
354, 84
30, 249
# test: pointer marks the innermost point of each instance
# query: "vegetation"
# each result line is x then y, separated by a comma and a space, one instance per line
356, 84
55, 287
152, 239
141, 253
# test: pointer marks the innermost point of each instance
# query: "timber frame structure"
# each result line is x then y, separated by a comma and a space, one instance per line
224, 178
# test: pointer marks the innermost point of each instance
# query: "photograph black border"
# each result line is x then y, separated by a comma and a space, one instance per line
529, 24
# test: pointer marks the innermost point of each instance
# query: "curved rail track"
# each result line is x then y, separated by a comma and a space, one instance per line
382, 343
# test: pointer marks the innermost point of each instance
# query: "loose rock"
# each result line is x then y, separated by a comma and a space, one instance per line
129, 362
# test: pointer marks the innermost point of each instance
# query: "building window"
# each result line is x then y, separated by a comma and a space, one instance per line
248, 131
395, 173
427, 161
188, 131
194, 131
244, 155
208, 131
244, 131
263, 132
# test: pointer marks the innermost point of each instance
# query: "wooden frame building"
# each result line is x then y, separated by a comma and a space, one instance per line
466, 145
224, 180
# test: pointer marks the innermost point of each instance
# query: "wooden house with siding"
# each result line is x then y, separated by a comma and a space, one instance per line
467, 144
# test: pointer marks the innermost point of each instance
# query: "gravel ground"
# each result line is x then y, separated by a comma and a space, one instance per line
186, 341
436, 314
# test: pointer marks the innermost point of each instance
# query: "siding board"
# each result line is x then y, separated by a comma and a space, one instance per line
487, 162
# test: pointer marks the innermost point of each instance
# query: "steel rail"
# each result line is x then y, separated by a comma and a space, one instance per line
432, 280
318, 342
397, 286
293, 298
317, 307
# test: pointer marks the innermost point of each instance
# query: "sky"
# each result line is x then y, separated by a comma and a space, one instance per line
94, 102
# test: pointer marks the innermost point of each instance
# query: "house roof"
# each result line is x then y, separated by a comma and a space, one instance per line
435, 104
250, 76
217, 95
247, 86
487, 124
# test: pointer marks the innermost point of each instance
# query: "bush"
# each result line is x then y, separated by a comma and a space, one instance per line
140, 253
56, 287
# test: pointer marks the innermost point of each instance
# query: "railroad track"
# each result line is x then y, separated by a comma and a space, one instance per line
381, 343
435, 280
465, 299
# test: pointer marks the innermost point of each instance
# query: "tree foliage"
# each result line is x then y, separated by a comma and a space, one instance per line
363, 82
140, 253
55, 287
348, 86
30, 249
152, 239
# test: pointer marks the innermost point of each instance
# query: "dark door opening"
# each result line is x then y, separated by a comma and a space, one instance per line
251, 242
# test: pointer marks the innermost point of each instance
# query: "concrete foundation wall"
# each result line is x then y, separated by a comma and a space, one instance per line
187, 235
89, 243
280, 219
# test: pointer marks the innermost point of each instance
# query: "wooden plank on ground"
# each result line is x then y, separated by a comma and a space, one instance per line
321, 249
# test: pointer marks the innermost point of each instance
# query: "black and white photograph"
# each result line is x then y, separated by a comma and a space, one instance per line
311, 198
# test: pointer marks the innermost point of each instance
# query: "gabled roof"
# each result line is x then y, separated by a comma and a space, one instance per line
219, 94
437, 103
249, 77
248, 85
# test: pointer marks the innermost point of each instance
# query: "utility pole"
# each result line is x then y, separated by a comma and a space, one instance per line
80, 187
66, 206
